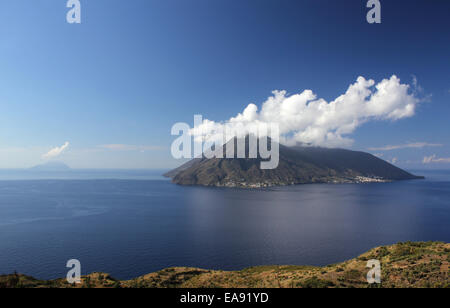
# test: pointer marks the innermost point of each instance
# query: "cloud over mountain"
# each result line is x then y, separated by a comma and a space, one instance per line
305, 118
55, 152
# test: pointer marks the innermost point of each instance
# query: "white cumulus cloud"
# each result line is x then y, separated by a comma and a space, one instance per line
434, 159
55, 152
416, 145
305, 118
129, 147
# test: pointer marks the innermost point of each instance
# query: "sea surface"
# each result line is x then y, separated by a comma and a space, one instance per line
130, 223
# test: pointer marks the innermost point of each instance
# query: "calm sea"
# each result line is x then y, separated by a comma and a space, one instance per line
129, 223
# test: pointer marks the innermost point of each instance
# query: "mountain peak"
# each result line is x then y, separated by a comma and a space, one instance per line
51, 166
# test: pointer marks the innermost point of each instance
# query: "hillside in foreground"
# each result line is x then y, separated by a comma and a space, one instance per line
410, 265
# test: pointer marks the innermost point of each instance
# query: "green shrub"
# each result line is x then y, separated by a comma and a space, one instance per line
315, 283
352, 275
382, 252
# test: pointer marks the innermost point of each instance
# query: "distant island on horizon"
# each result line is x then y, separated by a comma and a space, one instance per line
51, 166
297, 165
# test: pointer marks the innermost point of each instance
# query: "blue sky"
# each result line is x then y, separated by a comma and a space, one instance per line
132, 69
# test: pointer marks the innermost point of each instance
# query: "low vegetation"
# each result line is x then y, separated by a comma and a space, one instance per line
404, 265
